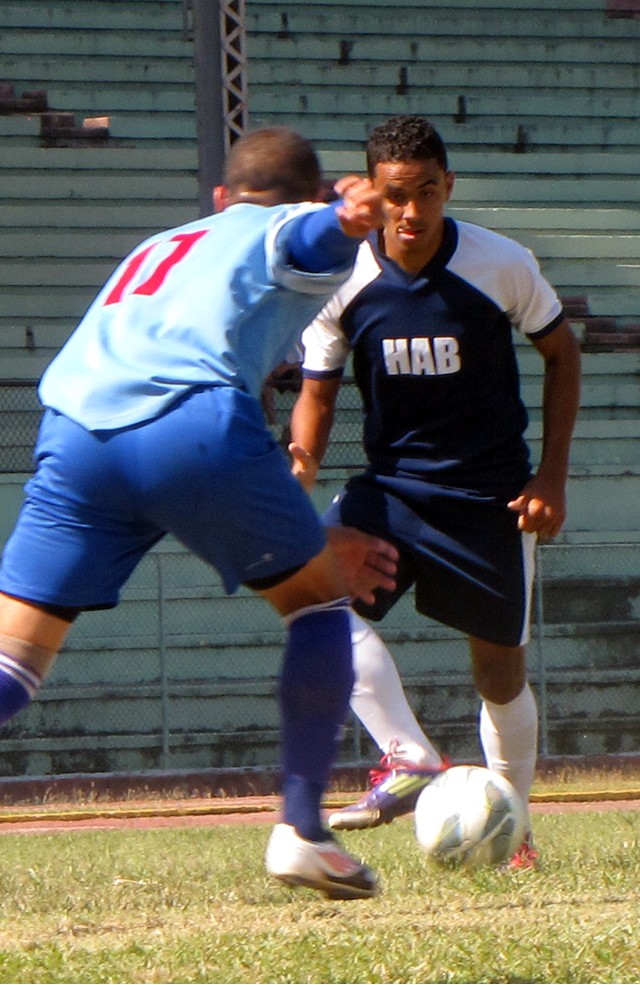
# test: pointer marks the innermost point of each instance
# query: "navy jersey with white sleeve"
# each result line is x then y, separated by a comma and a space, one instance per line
434, 359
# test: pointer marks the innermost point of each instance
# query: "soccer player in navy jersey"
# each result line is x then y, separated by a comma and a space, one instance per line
153, 425
428, 318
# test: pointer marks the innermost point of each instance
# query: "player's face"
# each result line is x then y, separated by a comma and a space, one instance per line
415, 194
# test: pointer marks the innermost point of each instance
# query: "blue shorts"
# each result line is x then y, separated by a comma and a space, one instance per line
471, 566
207, 471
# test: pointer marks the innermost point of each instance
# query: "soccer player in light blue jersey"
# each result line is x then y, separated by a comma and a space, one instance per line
428, 316
153, 425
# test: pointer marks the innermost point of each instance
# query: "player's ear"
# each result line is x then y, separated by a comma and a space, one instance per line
220, 198
449, 180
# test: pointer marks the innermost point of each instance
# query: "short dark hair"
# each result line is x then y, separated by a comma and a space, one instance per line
405, 138
274, 159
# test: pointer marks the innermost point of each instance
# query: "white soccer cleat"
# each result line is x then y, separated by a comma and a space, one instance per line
322, 865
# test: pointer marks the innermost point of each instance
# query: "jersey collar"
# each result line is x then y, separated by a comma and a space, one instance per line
437, 262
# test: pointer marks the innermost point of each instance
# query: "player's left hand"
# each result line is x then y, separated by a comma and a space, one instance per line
541, 507
367, 562
304, 466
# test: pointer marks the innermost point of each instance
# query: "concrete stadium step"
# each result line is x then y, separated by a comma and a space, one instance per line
80, 185
489, 75
599, 442
177, 158
102, 68
329, 131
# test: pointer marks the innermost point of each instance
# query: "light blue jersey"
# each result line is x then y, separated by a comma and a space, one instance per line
202, 304
153, 421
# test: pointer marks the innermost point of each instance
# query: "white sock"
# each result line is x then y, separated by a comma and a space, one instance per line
379, 701
509, 737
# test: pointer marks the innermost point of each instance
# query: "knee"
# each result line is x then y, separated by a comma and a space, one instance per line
499, 672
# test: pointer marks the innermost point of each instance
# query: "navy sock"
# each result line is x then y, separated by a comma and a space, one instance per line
315, 688
301, 807
18, 684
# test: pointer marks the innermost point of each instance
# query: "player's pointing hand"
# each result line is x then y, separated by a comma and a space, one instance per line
361, 209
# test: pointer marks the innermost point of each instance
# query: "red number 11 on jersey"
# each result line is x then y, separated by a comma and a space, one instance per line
183, 243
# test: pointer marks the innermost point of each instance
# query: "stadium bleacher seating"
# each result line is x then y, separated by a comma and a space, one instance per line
539, 109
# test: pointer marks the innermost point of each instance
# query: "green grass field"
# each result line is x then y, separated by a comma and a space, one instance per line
195, 905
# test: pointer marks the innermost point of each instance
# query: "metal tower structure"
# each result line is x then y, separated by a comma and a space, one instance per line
218, 32
234, 69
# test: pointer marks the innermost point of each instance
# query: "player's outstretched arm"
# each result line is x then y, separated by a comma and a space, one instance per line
328, 238
542, 503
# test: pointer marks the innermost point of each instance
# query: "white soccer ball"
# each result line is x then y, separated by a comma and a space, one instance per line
470, 816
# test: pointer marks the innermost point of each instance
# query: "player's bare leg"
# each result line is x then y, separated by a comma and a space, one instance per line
29, 642
30, 623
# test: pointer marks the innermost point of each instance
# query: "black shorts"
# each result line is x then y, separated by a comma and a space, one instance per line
471, 566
